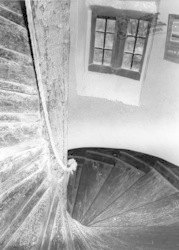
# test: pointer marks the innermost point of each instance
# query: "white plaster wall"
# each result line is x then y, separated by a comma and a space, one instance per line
150, 128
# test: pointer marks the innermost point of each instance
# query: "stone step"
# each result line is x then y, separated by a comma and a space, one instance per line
120, 178
8, 118
18, 87
134, 161
169, 172
140, 237
147, 189
11, 15
158, 213
51, 214
11, 102
15, 5
11, 177
14, 72
72, 189
16, 57
14, 37
14, 133
19, 198
92, 179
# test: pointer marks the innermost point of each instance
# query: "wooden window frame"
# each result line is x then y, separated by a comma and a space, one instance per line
117, 51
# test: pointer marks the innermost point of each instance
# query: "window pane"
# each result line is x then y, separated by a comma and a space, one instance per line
111, 26
143, 27
100, 24
129, 44
136, 62
98, 55
109, 41
132, 27
139, 46
127, 60
99, 40
107, 57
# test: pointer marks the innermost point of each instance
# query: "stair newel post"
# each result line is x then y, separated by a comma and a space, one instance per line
48, 22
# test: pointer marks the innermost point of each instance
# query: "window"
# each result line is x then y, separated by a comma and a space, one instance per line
118, 43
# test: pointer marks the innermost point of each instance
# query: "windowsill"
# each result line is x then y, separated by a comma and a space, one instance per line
119, 72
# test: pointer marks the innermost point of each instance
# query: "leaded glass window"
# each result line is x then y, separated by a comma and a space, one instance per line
118, 44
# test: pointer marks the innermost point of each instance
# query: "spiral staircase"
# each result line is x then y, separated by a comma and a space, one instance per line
116, 199
120, 199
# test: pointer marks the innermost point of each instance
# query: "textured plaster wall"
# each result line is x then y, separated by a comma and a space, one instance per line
152, 127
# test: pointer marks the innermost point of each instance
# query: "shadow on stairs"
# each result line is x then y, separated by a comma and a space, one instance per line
119, 199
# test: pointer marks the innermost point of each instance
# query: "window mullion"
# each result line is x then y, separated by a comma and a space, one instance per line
135, 43
104, 39
119, 44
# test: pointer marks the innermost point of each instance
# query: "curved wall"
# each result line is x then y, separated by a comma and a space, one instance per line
152, 127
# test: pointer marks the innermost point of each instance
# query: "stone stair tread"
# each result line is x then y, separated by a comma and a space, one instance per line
11, 152
147, 189
170, 173
8, 118
51, 214
14, 6
72, 189
13, 222
14, 133
149, 237
158, 213
134, 161
17, 87
93, 175
14, 177
119, 179
19, 36
11, 15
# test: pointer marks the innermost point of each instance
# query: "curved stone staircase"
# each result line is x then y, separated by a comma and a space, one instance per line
123, 200
32, 191
116, 200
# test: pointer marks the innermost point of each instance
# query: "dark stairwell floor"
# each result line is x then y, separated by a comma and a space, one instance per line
119, 199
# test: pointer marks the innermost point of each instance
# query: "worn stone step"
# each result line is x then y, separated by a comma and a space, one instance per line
11, 15
26, 212
13, 201
6, 118
16, 57
14, 37
11, 178
158, 213
60, 236
169, 172
147, 189
29, 232
119, 180
18, 87
134, 161
11, 102
72, 189
12, 153
79, 236
45, 237
92, 179
14, 72
13, 134
15, 5
11, 165
150, 237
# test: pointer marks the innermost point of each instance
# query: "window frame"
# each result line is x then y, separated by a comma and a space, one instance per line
117, 51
